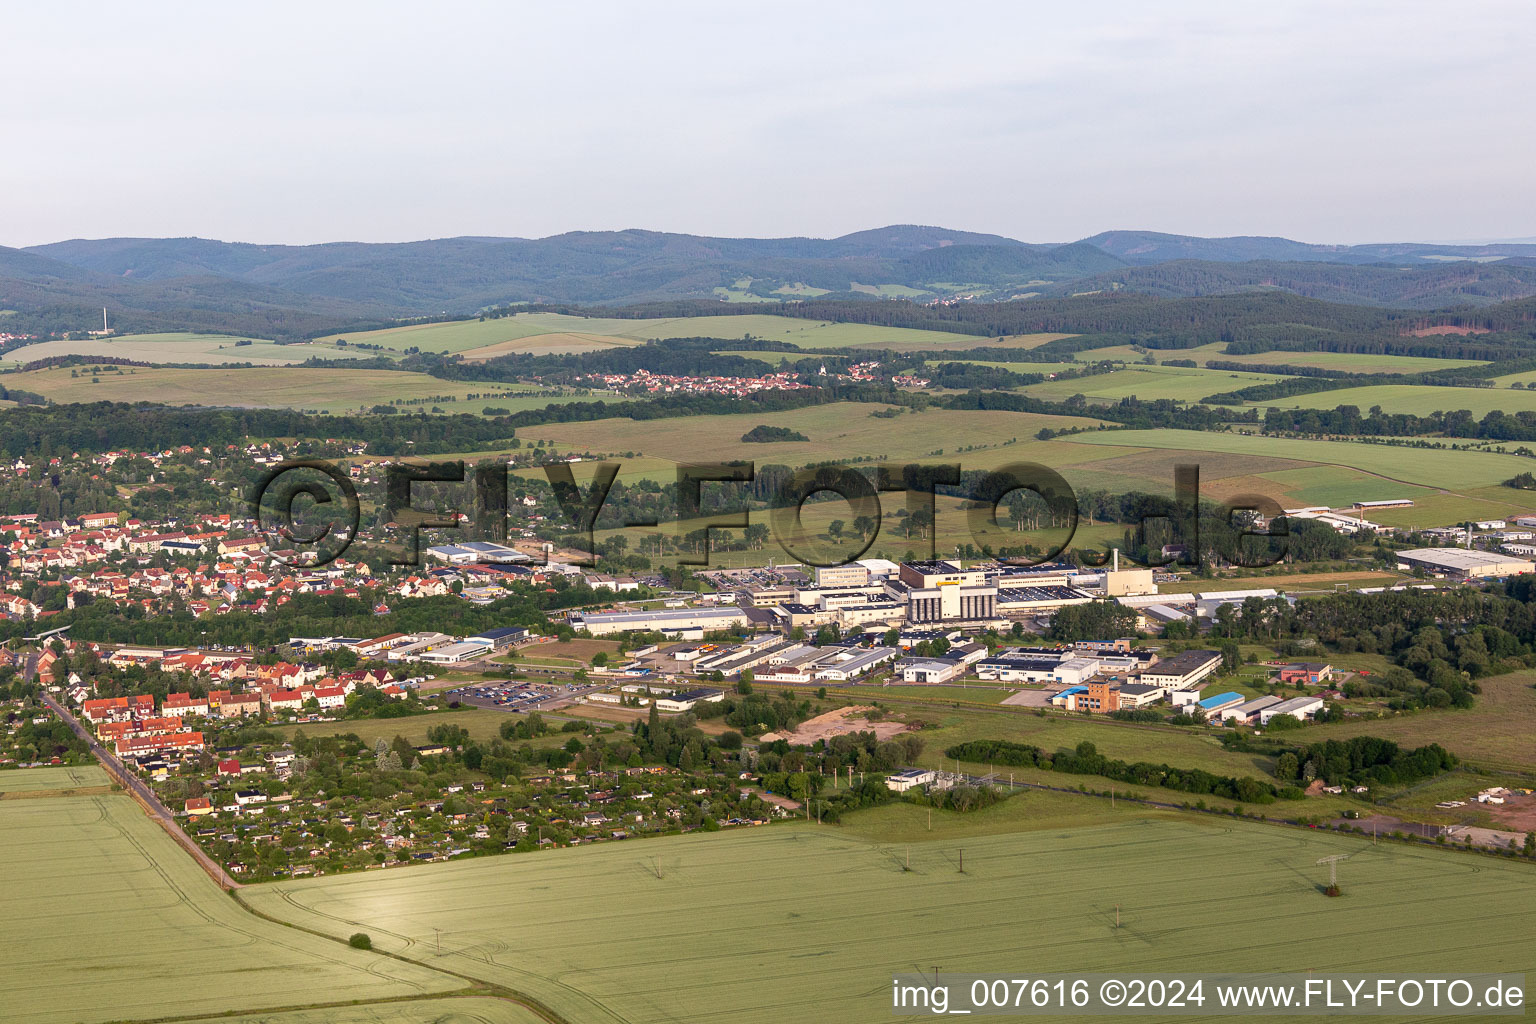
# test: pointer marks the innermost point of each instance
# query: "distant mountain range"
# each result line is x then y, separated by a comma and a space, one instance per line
284, 290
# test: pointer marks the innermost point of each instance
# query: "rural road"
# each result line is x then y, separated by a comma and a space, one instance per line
144, 794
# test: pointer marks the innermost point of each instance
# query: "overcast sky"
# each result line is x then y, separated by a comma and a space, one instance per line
320, 121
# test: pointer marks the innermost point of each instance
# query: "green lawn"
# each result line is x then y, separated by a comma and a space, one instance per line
109, 920
802, 921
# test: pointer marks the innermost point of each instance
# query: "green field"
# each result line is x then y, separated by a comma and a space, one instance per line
1494, 733
481, 724
1339, 485
468, 335
43, 780
283, 387
185, 348
842, 430
1427, 467
1148, 382
440, 1010
111, 921
798, 921
1405, 398
1345, 362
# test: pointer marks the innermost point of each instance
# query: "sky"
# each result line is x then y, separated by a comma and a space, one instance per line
298, 123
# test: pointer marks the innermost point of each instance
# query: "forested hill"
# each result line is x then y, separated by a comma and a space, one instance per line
289, 291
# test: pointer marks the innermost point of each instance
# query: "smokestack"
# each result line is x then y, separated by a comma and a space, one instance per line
104, 327
1115, 560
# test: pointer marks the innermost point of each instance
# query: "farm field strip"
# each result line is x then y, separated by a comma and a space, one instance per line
792, 920
49, 779
288, 387
185, 348
1437, 468
96, 888
1416, 399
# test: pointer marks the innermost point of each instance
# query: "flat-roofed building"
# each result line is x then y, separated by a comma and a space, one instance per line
1464, 562
659, 621
1300, 708
1181, 670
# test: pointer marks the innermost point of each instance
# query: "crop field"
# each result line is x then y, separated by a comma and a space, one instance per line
1405, 398
111, 920
1045, 368
282, 387
466, 335
1345, 362
1148, 382
843, 430
1440, 468
439, 1010
42, 780
185, 348
800, 921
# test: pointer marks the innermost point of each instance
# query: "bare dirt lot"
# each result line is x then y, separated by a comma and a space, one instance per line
1518, 812
838, 723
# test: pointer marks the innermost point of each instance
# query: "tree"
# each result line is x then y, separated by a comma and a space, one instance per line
1287, 767
360, 940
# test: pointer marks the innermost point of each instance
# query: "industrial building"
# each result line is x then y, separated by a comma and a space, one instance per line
1182, 670
1464, 562
659, 621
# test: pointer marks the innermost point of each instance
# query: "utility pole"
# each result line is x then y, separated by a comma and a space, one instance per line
439, 932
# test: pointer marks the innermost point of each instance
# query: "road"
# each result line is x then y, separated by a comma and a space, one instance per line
146, 796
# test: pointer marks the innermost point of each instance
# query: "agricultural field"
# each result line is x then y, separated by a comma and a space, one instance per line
185, 348
1405, 398
1440, 468
1344, 362
55, 779
95, 889
467, 1009
282, 387
1147, 382
838, 431
1336, 486
479, 335
800, 920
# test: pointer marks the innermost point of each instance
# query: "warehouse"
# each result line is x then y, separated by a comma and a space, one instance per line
452, 654
1464, 562
662, 621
